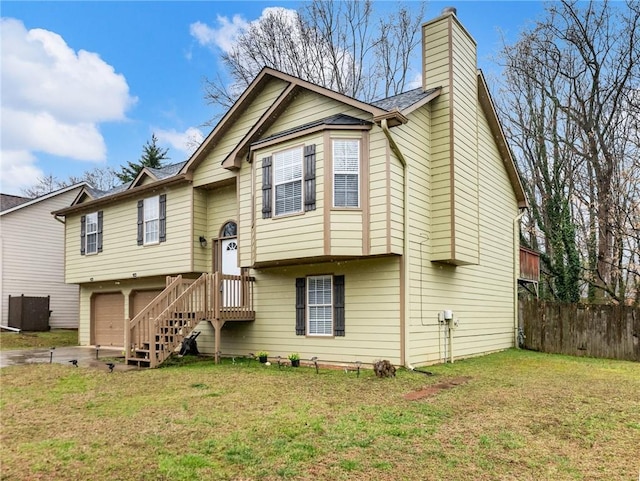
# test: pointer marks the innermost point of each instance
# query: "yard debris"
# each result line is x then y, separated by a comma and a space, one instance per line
436, 388
384, 369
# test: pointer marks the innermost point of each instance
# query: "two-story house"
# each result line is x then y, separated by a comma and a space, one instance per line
311, 222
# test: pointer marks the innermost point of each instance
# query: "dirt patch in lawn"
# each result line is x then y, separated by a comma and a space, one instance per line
436, 388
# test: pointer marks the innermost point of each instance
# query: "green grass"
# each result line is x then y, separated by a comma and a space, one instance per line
522, 415
34, 340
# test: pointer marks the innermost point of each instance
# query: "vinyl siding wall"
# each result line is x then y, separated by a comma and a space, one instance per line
481, 296
450, 62
122, 256
210, 170
371, 311
32, 258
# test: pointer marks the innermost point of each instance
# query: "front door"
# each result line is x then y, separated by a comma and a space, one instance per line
231, 288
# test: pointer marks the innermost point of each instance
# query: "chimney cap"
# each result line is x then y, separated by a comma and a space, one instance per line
446, 10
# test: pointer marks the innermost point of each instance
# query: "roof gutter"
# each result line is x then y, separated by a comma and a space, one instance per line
123, 195
404, 325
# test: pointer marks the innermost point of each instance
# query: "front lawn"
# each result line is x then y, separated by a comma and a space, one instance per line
514, 415
34, 340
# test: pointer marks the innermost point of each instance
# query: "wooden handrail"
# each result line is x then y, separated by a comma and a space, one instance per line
184, 303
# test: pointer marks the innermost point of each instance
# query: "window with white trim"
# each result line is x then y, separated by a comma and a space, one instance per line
152, 220
287, 180
319, 306
91, 233
346, 173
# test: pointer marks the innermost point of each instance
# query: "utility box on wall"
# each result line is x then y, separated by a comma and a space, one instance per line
29, 313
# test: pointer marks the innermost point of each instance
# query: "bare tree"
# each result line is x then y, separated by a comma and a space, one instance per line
101, 178
335, 44
583, 60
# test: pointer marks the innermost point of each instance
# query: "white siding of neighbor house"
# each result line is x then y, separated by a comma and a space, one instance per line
32, 257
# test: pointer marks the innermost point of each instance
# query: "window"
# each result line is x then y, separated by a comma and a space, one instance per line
346, 173
91, 233
320, 306
320, 318
91, 238
288, 181
152, 220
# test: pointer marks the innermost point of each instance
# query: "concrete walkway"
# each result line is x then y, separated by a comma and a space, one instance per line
85, 357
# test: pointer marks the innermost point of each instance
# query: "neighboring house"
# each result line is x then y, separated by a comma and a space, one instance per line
32, 254
323, 225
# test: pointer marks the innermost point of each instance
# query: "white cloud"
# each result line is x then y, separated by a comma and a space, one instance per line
186, 142
18, 171
226, 32
53, 99
224, 36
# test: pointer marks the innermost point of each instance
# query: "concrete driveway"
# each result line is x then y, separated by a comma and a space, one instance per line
85, 357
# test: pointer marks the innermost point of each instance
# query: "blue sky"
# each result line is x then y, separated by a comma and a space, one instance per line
85, 84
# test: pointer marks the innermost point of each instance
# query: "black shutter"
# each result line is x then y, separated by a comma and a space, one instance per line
140, 222
310, 177
83, 233
338, 305
163, 217
266, 188
99, 231
301, 324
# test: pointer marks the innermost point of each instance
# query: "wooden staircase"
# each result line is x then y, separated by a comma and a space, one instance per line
159, 329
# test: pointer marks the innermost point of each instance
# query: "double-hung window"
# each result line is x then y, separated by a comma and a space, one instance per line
346, 173
320, 306
152, 220
287, 170
91, 233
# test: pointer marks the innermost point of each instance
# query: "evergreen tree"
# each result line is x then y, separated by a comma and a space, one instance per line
152, 156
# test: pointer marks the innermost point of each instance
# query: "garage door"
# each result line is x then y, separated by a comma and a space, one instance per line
108, 319
140, 299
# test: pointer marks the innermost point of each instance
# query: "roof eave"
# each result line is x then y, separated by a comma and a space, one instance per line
131, 192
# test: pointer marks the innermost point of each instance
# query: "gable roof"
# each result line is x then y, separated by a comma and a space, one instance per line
167, 175
284, 99
42, 198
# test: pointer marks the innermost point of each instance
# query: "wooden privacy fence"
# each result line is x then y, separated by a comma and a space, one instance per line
581, 330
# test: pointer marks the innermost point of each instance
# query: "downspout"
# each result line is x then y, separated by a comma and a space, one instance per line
516, 274
405, 247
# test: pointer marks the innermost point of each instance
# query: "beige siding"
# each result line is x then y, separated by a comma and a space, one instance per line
378, 192
124, 286
481, 296
32, 259
371, 311
450, 62
210, 170
201, 255
309, 106
290, 236
121, 257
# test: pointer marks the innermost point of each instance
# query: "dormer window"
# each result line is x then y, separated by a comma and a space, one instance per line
287, 180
